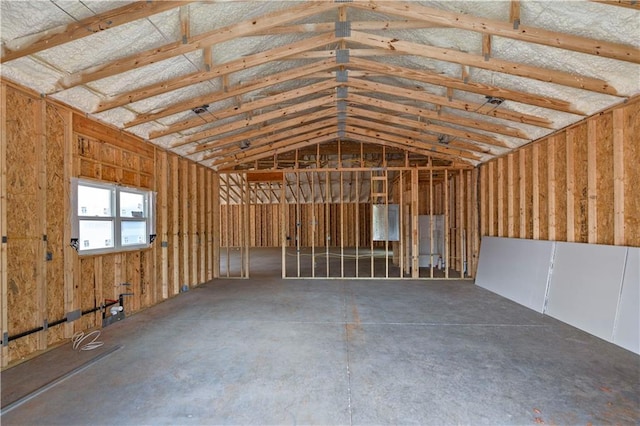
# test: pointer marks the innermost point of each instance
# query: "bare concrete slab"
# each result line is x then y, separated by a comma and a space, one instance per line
339, 352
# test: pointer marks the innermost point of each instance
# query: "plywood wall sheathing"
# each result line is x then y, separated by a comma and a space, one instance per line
575, 185
4, 354
45, 145
24, 235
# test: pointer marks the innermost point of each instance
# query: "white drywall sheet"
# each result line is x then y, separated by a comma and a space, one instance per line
585, 286
627, 328
517, 269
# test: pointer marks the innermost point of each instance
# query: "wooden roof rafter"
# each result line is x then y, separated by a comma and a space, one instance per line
254, 132
254, 120
154, 55
216, 71
259, 83
63, 34
529, 34
315, 88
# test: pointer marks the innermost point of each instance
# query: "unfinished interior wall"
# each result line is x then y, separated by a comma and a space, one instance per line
577, 185
44, 145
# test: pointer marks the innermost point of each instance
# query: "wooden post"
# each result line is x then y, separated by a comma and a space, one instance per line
571, 185
71, 262
522, 177
163, 222
327, 220
341, 221
618, 177
246, 252
431, 262
193, 206
175, 217
461, 213
501, 195
415, 242
4, 317
491, 203
357, 224
202, 234
536, 190
283, 223
551, 188
227, 228
298, 223
401, 217
39, 109
446, 223
511, 231
592, 183
313, 225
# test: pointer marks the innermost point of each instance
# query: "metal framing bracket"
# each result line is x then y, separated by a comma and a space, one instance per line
342, 56
74, 315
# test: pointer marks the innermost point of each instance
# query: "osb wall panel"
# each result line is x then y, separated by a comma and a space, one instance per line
570, 187
632, 174
37, 133
55, 126
22, 230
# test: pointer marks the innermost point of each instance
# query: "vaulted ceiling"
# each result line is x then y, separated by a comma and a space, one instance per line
232, 83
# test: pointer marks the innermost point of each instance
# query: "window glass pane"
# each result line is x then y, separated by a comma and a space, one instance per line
96, 234
131, 204
94, 201
133, 232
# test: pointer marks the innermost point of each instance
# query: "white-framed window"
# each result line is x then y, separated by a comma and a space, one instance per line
108, 217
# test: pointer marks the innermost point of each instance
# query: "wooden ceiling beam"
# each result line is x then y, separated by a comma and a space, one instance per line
57, 36
459, 84
363, 135
216, 71
320, 27
269, 150
433, 115
428, 127
158, 54
256, 119
264, 130
259, 83
379, 130
451, 103
492, 64
494, 27
211, 116
631, 4
420, 136
283, 135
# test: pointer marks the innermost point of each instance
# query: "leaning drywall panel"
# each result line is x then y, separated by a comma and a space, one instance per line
627, 327
516, 269
585, 286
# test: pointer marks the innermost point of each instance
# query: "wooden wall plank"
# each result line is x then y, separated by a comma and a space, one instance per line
619, 117
55, 220
542, 191
4, 309
535, 191
24, 235
632, 173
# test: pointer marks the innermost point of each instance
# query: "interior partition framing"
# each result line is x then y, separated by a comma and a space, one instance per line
322, 219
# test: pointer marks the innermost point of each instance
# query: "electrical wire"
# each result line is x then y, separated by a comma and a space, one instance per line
79, 339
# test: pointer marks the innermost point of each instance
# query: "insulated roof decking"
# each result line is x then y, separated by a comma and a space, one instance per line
228, 83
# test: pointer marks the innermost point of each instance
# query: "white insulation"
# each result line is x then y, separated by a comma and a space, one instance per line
22, 21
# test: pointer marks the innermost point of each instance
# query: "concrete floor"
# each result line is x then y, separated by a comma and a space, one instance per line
272, 351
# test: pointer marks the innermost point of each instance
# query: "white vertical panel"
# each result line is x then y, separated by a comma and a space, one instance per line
627, 328
585, 286
517, 269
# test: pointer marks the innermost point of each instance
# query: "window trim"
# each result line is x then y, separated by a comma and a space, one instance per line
115, 217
